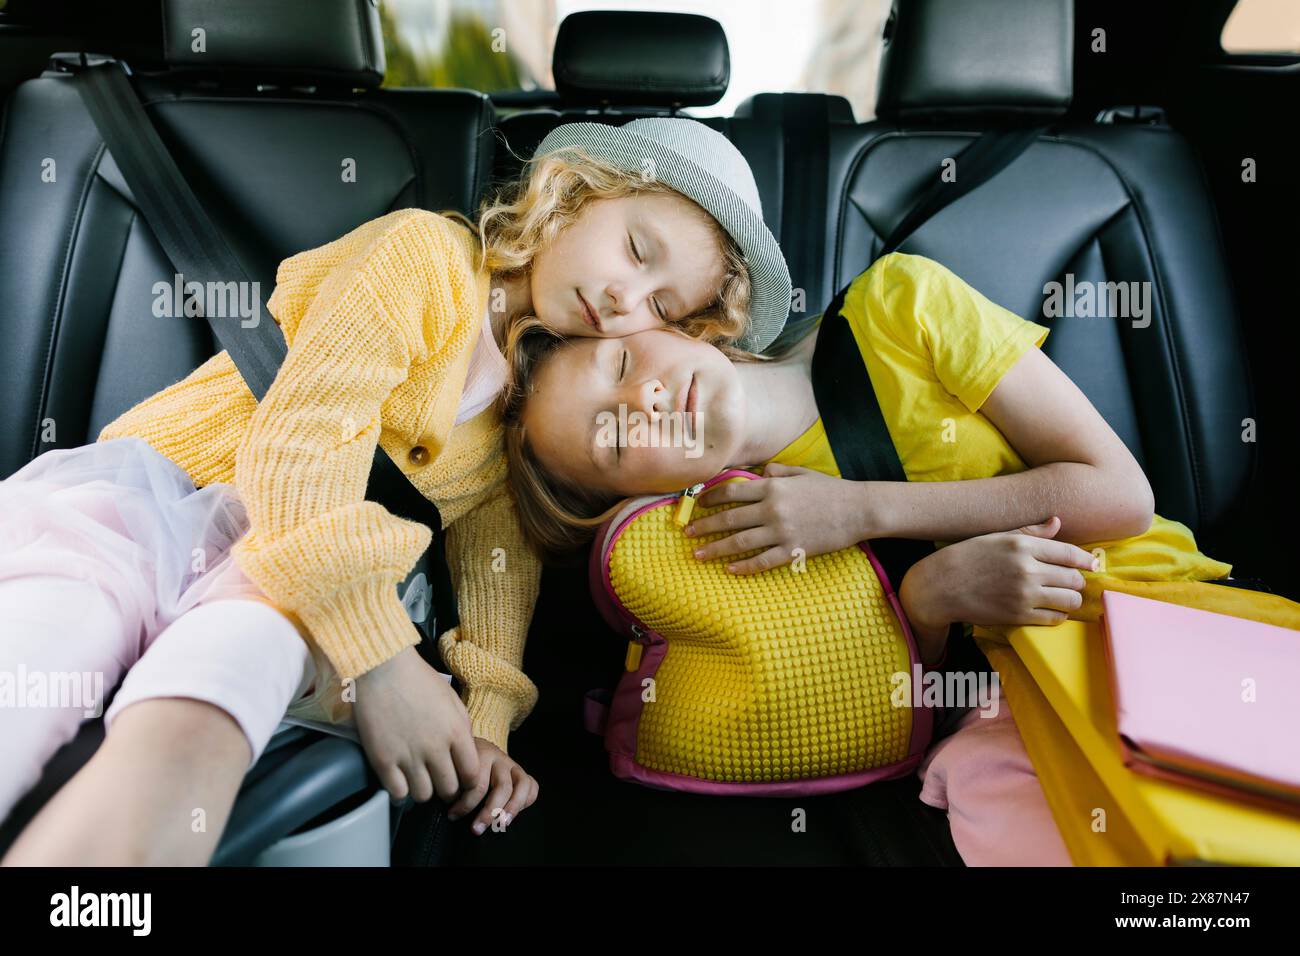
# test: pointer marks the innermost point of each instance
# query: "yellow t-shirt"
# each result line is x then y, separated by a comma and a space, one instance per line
935, 349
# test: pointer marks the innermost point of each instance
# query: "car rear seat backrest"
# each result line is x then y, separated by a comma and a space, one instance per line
262, 125
1101, 202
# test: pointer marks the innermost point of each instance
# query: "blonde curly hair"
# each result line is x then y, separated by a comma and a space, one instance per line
521, 218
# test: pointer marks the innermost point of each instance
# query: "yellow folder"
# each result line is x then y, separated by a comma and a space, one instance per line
1055, 680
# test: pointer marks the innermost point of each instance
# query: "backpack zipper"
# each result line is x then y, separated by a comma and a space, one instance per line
635, 647
687, 503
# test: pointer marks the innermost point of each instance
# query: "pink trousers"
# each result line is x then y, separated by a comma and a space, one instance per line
997, 812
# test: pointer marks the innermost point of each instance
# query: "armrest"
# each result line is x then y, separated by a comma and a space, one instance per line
309, 777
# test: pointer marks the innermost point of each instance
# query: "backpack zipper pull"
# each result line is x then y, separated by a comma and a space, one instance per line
687, 504
634, 648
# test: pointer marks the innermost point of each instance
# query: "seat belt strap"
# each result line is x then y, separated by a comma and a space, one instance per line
805, 124
990, 153
199, 252
805, 146
856, 429
846, 397
182, 226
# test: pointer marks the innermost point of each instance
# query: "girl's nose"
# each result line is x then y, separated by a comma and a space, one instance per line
624, 298
654, 398
616, 296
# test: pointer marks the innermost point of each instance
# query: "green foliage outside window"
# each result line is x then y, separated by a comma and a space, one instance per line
465, 60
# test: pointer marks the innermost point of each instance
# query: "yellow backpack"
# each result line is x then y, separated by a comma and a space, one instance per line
793, 681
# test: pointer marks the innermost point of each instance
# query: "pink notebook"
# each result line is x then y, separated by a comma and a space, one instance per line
1183, 682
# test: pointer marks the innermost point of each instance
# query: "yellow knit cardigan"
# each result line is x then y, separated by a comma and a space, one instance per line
380, 326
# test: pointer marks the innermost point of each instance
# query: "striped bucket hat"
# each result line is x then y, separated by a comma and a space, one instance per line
703, 165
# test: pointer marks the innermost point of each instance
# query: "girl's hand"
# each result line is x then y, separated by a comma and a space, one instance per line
509, 790
786, 509
415, 730
1007, 579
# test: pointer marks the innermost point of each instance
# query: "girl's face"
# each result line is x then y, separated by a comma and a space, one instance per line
626, 265
650, 412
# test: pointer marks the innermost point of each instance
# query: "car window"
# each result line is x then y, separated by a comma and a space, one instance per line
825, 46
1262, 26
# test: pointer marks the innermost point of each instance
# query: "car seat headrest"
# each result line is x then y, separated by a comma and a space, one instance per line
328, 42
1002, 59
641, 59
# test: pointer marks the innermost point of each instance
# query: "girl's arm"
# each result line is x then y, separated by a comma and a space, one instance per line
357, 317
496, 575
359, 314
1078, 469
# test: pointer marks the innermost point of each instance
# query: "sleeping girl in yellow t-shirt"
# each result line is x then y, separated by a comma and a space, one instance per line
992, 436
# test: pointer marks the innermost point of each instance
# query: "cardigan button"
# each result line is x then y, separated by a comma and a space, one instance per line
419, 456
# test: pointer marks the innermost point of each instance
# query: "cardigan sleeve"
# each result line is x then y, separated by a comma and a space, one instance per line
496, 574
359, 313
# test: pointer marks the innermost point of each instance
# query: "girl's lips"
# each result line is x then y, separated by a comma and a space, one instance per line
588, 314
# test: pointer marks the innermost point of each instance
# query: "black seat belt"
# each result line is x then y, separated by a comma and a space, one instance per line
856, 429
846, 398
990, 153
805, 142
173, 212
199, 252
805, 150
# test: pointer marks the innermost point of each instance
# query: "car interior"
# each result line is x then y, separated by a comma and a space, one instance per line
1134, 175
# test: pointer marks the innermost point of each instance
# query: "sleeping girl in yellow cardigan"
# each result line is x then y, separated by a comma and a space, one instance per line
219, 554
1004, 456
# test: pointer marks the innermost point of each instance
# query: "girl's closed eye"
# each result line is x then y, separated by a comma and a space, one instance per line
619, 366
622, 370
655, 305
